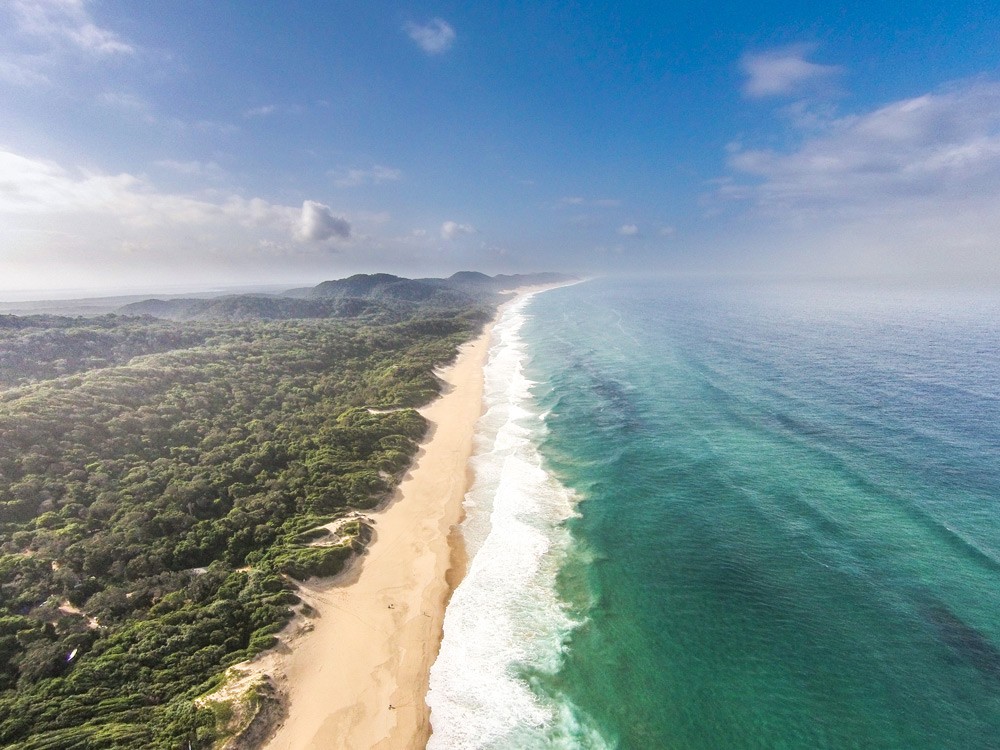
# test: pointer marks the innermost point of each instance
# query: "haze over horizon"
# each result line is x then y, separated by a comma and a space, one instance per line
210, 144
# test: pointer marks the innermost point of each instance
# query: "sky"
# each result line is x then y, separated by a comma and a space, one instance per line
191, 143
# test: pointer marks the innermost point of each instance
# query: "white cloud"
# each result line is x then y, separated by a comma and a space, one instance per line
783, 71
628, 230
262, 111
68, 226
46, 35
20, 74
575, 200
668, 231
61, 22
915, 182
434, 37
123, 100
203, 126
943, 145
32, 186
451, 230
35, 188
266, 110
374, 176
129, 103
318, 224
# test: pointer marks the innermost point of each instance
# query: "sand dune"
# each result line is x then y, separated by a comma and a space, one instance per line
355, 673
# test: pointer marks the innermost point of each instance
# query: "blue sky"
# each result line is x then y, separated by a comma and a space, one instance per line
182, 142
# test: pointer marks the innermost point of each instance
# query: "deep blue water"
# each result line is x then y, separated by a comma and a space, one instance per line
787, 529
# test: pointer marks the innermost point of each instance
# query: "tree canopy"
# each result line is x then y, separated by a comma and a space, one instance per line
159, 483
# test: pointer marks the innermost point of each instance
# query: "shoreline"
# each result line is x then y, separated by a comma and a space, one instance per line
352, 670
376, 628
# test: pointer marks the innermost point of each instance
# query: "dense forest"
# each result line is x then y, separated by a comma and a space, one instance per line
161, 484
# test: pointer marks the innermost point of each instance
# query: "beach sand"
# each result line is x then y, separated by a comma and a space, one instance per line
354, 673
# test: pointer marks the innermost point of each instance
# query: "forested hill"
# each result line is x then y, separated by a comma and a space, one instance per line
381, 296
162, 483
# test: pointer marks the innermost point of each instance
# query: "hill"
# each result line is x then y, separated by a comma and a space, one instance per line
380, 296
245, 307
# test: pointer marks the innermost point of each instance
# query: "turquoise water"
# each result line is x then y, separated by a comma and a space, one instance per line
773, 521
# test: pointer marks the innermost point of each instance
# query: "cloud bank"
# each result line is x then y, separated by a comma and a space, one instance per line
915, 183
62, 225
944, 146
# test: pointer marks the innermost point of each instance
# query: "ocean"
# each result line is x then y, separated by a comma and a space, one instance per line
732, 515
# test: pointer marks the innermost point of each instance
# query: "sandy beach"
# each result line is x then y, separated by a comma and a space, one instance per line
355, 674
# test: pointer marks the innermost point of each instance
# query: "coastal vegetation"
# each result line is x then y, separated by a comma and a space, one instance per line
163, 483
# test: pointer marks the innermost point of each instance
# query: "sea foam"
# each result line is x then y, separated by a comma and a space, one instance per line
505, 620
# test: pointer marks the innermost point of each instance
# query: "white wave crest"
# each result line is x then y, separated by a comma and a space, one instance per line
506, 617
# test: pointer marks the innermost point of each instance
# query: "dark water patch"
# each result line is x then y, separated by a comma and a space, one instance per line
965, 641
